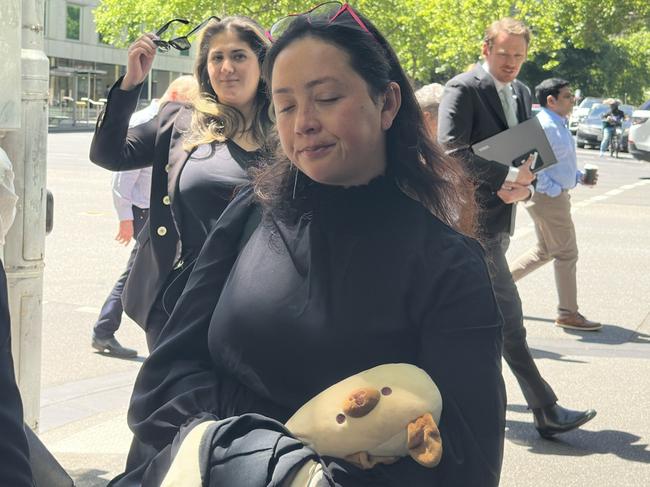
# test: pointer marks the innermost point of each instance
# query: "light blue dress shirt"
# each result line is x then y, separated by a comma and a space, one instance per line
565, 174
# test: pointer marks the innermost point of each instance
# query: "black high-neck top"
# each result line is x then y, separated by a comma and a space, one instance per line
351, 279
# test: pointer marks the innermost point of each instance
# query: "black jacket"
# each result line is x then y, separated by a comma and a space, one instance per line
471, 111
158, 143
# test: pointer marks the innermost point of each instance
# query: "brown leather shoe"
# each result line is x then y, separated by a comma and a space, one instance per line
576, 321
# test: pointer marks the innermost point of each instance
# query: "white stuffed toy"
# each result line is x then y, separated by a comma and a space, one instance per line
376, 416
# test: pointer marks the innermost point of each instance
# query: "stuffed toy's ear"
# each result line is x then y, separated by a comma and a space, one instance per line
424, 442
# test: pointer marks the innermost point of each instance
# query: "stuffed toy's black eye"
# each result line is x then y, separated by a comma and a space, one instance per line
340, 418
386, 391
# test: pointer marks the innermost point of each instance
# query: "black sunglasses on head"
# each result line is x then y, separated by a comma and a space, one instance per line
179, 43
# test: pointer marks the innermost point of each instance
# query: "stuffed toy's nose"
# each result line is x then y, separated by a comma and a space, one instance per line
360, 402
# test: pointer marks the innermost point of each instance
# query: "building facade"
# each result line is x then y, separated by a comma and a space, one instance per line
83, 67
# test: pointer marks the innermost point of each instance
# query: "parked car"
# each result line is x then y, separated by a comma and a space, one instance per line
581, 111
639, 137
590, 131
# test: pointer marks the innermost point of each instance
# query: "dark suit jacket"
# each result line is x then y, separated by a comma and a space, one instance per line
471, 111
14, 453
158, 142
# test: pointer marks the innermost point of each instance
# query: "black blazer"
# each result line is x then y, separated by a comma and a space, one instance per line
15, 468
158, 142
471, 111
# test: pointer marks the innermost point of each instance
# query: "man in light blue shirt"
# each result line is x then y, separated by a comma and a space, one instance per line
550, 206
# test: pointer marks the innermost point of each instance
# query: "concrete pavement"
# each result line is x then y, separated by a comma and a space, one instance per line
85, 394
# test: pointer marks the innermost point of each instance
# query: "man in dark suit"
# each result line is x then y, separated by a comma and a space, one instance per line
476, 105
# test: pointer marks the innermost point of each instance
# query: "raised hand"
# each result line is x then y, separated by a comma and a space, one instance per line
140, 59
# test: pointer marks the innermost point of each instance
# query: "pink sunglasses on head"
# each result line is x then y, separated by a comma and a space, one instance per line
330, 10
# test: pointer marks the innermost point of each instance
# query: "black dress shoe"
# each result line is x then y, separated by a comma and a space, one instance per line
112, 347
554, 419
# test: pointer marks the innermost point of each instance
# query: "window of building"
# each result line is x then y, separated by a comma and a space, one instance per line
185, 53
73, 22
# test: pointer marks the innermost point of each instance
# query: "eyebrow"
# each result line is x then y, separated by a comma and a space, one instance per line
311, 84
234, 51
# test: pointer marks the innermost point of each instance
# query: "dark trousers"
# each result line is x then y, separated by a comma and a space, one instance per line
515, 349
110, 315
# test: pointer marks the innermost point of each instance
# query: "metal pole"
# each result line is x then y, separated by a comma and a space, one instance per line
24, 249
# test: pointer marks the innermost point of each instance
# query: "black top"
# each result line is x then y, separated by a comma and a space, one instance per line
206, 184
613, 118
352, 279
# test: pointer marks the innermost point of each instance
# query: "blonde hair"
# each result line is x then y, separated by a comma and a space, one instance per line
509, 26
212, 120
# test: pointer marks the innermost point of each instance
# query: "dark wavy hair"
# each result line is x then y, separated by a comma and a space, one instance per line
212, 120
414, 160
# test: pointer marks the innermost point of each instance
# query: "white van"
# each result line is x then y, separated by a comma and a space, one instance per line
639, 136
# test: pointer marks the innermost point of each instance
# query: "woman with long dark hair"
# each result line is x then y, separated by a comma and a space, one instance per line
352, 249
200, 152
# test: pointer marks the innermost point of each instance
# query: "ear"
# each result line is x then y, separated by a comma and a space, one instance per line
485, 50
424, 442
550, 101
392, 104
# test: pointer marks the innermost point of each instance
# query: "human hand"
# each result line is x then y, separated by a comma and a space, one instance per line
513, 192
140, 59
525, 175
125, 232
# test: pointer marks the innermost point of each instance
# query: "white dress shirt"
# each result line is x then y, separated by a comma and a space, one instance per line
133, 188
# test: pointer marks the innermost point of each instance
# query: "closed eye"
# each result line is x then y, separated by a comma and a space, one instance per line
285, 109
328, 100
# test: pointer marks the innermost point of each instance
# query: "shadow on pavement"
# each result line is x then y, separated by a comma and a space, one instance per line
88, 477
611, 335
608, 335
538, 354
127, 359
578, 443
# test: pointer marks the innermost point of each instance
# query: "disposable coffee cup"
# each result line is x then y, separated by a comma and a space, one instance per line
590, 173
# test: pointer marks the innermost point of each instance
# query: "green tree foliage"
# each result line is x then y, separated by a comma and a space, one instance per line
601, 46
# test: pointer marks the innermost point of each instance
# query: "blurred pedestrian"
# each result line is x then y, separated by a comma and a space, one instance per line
612, 120
550, 206
476, 105
200, 154
429, 97
131, 191
15, 469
